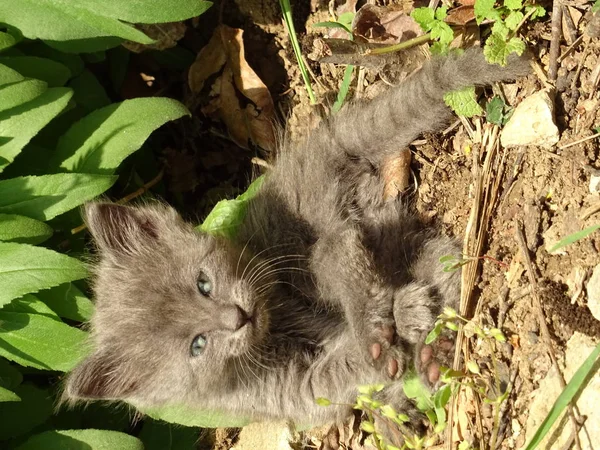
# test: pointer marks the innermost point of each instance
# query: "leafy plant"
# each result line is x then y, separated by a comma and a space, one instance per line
432, 21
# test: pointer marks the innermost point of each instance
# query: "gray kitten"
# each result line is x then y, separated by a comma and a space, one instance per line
326, 286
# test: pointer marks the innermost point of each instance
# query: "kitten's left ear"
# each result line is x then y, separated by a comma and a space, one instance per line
119, 228
100, 377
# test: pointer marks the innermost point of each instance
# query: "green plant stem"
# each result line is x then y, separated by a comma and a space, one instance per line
401, 46
521, 23
343, 92
286, 10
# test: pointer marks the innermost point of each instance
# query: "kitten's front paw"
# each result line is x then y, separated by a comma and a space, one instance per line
429, 358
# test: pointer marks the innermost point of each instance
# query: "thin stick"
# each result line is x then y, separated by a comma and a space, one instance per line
129, 197
570, 48
546, 339
555, 42
571, 28
579, 141
401, 46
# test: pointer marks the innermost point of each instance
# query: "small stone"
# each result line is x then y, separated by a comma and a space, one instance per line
595, 184
593, 293
532, 123
265, 436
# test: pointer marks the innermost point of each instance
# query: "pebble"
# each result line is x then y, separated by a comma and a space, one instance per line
593, 293
532, 123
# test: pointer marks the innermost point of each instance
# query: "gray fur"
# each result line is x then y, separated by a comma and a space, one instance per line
321, 263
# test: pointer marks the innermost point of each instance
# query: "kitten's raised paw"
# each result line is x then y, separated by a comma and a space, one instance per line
381, 354
430, 358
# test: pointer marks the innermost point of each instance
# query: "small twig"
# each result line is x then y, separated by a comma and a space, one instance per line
579, 141
586, 50
129, 197
555, 42
545, 333
571, 28
522, 22
401, 46
570, 48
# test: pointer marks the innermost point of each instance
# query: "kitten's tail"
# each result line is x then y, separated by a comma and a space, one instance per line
394, 119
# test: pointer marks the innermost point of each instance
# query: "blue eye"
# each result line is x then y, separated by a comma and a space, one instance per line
198, 345
204, 284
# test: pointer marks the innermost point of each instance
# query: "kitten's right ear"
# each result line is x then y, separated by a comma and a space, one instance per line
121, 229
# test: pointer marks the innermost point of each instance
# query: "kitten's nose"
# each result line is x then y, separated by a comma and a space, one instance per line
243, 318
233, 317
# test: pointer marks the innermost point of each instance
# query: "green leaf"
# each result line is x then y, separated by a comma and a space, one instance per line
74, 62
23, 230
595, 6
414, 388
82, 440
484, 9
577, 383
18, 418
346, 19
572, 238
99, 142
191, 417
30, 304
541, 12
322, 401
434, 334
330, 24
47, 196
82, 28
463, 102
8, 75
424, 16
10, 377
52, 72
25, 269
513, 20
473, 367
494, 111
39, 341
163, 436
440, 400
344, 87
8, 396
227, 215
368, 427
6, 40
20, 92
19, 124
513, 5
68, 302
443, 32
441, 12
88, 92
496, 49
500, 29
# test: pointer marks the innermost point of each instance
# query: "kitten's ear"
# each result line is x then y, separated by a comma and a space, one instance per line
99, 377
119, 228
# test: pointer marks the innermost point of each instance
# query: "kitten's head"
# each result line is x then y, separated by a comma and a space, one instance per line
176, 310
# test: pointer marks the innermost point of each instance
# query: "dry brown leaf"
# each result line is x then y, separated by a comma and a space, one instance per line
466, 2
250, 120
386, 25
461, 15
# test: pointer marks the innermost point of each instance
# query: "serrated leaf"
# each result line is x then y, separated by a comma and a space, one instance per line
484, 9
20, 92
6, 40
494, 111
39, 341
19, 124
191, 417
82, 440
52, 72
163, 436
513, 5
513, 20
499, 28
99, 142
47, 196
541, 12
443, 32
441, 12
81, 28
18, 418
463, 102
424, 16
227, 215
8, 396
24, 230
68, 302
26, 269
496, 49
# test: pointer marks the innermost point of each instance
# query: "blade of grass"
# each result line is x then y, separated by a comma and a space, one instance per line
286, 9
568, 240
573, 388
343, 92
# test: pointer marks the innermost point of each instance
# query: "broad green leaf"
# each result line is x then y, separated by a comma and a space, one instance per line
513, 20
25, 269
18, 125
577, 383
8, 75
6, 40
572, 238
73, 62
8, 396
82, 440
513, 5
10, 377
189, 417
39, 341
441, 12
68, 302
24, 230
47, 196
52, 72
227, 215
88, 92
18, 418
494, 111
541, 12
53, 21
463, 102
99, 142
414, 388
424, 16
484, 9
443, 32
30, 304
20, 92
163, 436
496, 49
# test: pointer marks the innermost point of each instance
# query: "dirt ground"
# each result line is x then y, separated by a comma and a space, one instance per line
546, 189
